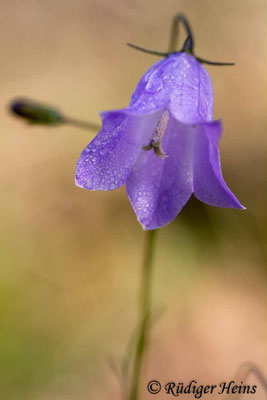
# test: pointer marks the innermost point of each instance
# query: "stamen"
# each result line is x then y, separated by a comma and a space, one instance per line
157, 136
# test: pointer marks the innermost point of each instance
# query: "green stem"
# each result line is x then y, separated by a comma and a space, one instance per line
82, 124
145, 303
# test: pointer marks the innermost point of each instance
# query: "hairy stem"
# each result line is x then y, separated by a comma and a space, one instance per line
144, 314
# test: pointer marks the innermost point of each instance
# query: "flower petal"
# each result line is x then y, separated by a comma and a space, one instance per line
106, 162
208, 182
159, 188
180, 83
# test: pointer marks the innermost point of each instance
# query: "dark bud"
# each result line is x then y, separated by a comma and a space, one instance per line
36, 113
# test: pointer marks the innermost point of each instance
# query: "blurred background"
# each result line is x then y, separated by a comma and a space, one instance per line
70, 260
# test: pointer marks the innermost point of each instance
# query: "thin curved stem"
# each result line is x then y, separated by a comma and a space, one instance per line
177, 20
81, 124
145, 305
188, 45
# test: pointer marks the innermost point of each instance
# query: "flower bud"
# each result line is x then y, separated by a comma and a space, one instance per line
36, 113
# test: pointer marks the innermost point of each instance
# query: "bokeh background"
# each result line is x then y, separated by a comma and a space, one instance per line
70, 260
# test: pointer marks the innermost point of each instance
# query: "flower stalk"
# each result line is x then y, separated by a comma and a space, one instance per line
144, 313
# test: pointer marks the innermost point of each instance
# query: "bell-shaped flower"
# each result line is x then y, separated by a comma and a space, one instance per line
164, 146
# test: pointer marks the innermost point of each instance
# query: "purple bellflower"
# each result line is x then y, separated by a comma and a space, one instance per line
164, 146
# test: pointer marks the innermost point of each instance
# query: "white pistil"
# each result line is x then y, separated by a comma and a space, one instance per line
157, 136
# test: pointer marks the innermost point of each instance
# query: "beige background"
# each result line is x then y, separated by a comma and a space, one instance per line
70, 259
